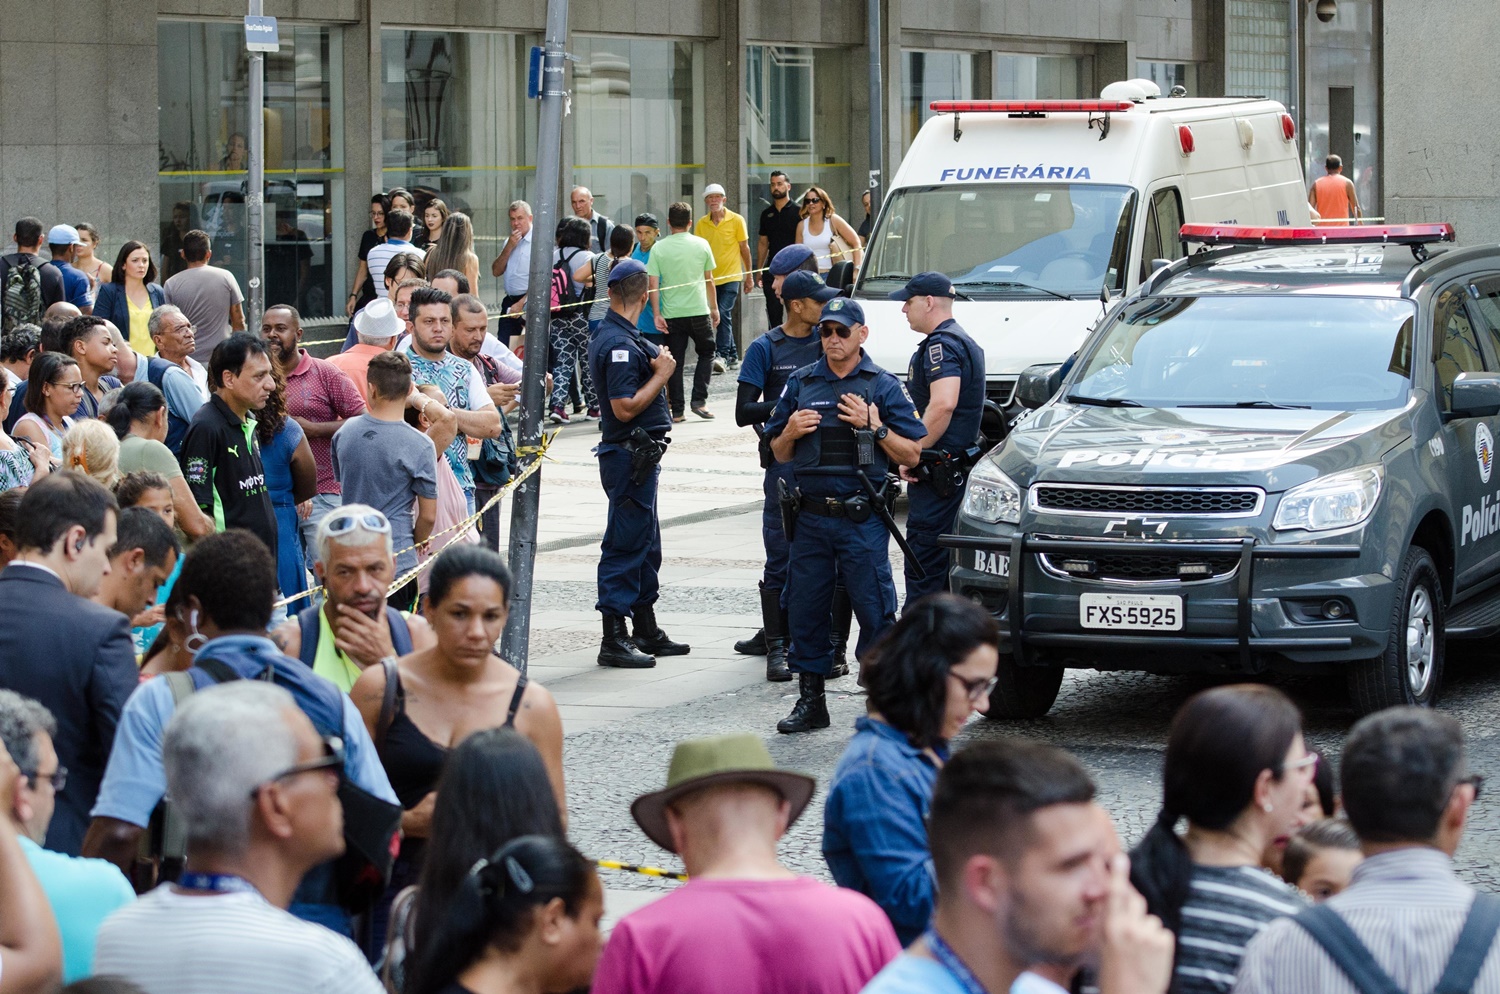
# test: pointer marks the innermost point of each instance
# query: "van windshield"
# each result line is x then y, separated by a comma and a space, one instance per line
1004, 239
1238, 350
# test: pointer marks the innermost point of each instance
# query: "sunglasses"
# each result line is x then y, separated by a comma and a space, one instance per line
332, 759
808, 201
976, 688
343, 524
831, 328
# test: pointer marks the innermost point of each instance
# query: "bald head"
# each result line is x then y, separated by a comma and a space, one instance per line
583, 202
61, 311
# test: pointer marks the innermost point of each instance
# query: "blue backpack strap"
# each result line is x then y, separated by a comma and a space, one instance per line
400, 631
1473, 946
312, 631
1347, 952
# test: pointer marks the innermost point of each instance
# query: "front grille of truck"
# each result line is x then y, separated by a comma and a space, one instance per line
1088, 498
1141, 567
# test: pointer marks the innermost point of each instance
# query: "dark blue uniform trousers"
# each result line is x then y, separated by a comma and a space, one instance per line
771, 534
630, 555
927, 517
862, 555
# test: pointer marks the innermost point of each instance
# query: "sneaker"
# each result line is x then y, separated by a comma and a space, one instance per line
592, 415
558, 416
719, 366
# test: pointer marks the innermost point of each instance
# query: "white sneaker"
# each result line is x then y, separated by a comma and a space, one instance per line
719, 366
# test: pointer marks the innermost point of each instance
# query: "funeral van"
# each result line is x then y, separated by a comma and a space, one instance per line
1038, 208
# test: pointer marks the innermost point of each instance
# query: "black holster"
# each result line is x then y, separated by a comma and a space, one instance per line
763, 446
645, 454
790, 507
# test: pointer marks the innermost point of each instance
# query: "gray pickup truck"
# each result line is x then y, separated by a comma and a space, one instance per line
1278, 455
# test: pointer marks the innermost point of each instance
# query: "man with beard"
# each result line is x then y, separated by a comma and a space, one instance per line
778, 229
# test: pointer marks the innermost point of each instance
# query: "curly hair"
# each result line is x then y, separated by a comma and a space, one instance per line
271, 418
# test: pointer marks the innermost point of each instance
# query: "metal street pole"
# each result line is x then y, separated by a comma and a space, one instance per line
1294, 64
526, 502
255, 192
877, 111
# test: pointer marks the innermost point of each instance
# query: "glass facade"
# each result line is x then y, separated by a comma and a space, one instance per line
456, 125
1256, 57
1169, 74
1044, 77
638, 132
929, 76
797, 110
203, 116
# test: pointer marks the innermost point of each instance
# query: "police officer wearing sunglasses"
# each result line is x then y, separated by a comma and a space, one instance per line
841, 422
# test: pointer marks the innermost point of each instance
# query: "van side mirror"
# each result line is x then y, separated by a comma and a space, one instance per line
1476, 395
1038, 384
841, 275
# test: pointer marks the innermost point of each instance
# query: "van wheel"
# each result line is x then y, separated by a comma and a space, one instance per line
1410, 671
1023, 691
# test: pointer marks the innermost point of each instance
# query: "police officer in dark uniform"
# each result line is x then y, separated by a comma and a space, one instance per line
946, 379
841, 423
769, 362
631, 375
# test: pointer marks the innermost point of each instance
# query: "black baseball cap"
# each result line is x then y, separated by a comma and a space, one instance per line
803, 285
647, 221
927, 284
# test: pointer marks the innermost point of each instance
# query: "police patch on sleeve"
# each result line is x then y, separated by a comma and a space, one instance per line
935, 352
620, 355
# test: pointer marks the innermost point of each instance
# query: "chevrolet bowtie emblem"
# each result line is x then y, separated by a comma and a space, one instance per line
1141, 527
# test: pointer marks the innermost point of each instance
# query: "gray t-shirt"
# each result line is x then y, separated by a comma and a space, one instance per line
388, 465
205, 295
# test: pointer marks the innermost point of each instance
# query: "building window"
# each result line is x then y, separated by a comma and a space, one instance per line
929, 76
1043, 77
797, 121
204, 100
1255, 58
456, 126
1169, 74
638, 132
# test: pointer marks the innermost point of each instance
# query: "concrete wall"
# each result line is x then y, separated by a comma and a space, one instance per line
1442, 144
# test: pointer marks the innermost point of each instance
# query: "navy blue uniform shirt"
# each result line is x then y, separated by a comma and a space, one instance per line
948, 352
818, 387
773, 357
620, 361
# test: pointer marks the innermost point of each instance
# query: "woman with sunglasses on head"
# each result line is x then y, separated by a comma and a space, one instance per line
925, 678
820, 226
524, 921
445, 693
49, 410
1237, 771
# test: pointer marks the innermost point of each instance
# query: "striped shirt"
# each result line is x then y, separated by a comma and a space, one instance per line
1407, 906
172, 943
1227, 907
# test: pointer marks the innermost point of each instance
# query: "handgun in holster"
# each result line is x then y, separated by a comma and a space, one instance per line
645, 453
786, 499
763, 446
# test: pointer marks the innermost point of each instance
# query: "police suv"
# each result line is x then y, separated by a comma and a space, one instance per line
1278, 455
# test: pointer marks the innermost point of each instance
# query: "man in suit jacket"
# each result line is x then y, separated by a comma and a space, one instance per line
73, 656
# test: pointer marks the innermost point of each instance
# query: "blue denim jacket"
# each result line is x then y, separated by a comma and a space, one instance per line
875, 825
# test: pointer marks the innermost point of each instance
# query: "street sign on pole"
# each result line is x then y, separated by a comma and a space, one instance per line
526, 503
261, 34
260, 37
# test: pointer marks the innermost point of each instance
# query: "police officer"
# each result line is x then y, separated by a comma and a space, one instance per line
769, 362
841, 423
946, 379
631, 375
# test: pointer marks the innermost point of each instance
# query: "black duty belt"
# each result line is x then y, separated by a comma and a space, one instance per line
830, 507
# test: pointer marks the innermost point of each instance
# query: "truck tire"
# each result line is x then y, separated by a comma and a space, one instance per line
1410, 670
1023, 691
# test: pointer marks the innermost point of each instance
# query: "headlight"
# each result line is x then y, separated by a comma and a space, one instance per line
991, 496
1339, 501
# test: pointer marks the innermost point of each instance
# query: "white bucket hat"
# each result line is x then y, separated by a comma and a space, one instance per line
379, 320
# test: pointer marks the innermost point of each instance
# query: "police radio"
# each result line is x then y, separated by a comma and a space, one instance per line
864, 441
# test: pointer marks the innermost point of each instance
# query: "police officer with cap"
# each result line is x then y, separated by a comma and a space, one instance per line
841, 423
631, 375
769, 362
946, 379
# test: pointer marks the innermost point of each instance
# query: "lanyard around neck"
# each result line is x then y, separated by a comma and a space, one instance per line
950, 961
216, 883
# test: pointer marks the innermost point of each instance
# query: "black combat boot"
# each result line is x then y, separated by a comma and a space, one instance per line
776, 636
755, 645
618, 650
842, 617
811, 710
650, 638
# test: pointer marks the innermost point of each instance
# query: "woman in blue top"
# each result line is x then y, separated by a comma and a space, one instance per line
292, 478
925, 678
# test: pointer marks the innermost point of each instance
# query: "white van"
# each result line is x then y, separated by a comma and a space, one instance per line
1032, 207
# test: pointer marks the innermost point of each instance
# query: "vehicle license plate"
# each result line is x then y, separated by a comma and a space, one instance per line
993, 563
1140, 612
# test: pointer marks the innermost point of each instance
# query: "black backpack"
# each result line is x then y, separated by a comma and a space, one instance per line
21, 294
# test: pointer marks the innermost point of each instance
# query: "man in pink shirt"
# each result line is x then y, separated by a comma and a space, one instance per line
745, 923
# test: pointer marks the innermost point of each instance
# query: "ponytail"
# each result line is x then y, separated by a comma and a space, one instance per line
135, 402
495, 904
1162, 870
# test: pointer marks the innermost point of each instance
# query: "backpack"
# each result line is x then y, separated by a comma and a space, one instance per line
497, 461
177, 426
21, 295
564, 289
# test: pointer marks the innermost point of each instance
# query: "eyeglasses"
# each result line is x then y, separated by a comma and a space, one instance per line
831, 328
1310, 760
976, 688
75, 387
332, 759
343, 524
59, 777
1475, 780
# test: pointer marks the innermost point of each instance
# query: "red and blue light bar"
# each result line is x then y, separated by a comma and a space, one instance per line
1385, 234
1029, 106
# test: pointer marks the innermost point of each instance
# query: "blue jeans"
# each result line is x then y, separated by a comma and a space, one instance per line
728, 348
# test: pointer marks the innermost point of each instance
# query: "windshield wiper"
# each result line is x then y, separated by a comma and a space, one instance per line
1269, 405
1074, 398
1014, 283
889, 276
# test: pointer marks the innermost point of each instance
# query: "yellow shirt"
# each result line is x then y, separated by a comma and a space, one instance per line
724, 238
140, 332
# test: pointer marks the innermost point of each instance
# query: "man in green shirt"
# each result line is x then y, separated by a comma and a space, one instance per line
681, 272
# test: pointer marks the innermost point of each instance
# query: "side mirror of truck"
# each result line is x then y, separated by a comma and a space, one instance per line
1038, 384
841, 275
1475, 395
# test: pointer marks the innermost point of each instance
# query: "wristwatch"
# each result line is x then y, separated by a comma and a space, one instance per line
881, 433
